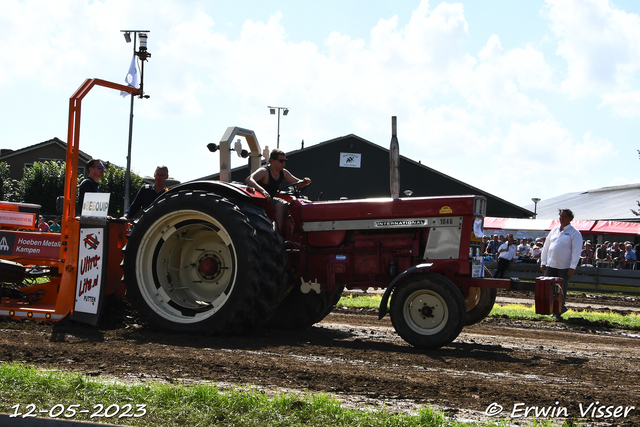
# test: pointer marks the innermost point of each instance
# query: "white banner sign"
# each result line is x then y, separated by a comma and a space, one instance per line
350, 160
89, 270
95, 205
477, 266
23, 219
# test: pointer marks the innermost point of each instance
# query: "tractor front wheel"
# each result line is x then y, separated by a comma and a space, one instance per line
427, 311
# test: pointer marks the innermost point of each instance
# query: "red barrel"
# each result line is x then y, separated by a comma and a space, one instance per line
549, 295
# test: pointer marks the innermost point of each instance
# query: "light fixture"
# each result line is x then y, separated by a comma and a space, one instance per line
237, 147
127, 37
285, 111
142, 47
143, 42
535, 200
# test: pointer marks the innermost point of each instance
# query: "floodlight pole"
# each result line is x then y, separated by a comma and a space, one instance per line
278, 142
273, 111
535, 201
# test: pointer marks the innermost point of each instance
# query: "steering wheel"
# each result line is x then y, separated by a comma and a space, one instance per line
293, 188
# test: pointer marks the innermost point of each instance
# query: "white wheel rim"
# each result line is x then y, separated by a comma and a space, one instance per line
186, 266
425, 312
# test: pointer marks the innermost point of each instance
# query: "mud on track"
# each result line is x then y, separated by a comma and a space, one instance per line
361, 361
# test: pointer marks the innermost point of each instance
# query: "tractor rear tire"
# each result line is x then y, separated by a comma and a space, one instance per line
273, 272
427, 311
479, 302
193, 263
300, 311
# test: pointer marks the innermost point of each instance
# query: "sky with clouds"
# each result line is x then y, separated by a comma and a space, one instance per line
520, 99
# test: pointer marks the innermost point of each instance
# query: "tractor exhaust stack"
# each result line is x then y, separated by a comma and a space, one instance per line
394, 160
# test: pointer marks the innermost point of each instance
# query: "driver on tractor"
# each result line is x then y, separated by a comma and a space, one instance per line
267, 180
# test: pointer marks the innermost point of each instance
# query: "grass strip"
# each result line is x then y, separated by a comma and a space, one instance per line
360, 301
521, 312
180, 405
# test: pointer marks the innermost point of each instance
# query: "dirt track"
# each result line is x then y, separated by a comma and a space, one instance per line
362, 361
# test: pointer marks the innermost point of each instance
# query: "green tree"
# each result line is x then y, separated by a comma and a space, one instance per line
7, 185
113, 182
4, 176
42, 184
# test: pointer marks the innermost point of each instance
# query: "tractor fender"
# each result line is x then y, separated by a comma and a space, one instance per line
221, 188
399, 279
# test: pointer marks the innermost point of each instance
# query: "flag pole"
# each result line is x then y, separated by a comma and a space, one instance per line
143, 55
127, 176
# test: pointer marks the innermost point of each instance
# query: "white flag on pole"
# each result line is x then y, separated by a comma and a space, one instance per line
132, 77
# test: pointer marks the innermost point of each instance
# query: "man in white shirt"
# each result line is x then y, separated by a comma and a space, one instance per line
506, 253
561, 252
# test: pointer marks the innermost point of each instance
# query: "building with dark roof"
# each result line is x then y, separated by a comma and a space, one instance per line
53, 149
352, 167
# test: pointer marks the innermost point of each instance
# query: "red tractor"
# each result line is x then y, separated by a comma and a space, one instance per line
206, 257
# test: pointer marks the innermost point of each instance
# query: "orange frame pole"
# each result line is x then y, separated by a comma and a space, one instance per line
70, 226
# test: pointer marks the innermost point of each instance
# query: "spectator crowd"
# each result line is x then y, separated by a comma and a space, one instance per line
51, 226
605, 255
